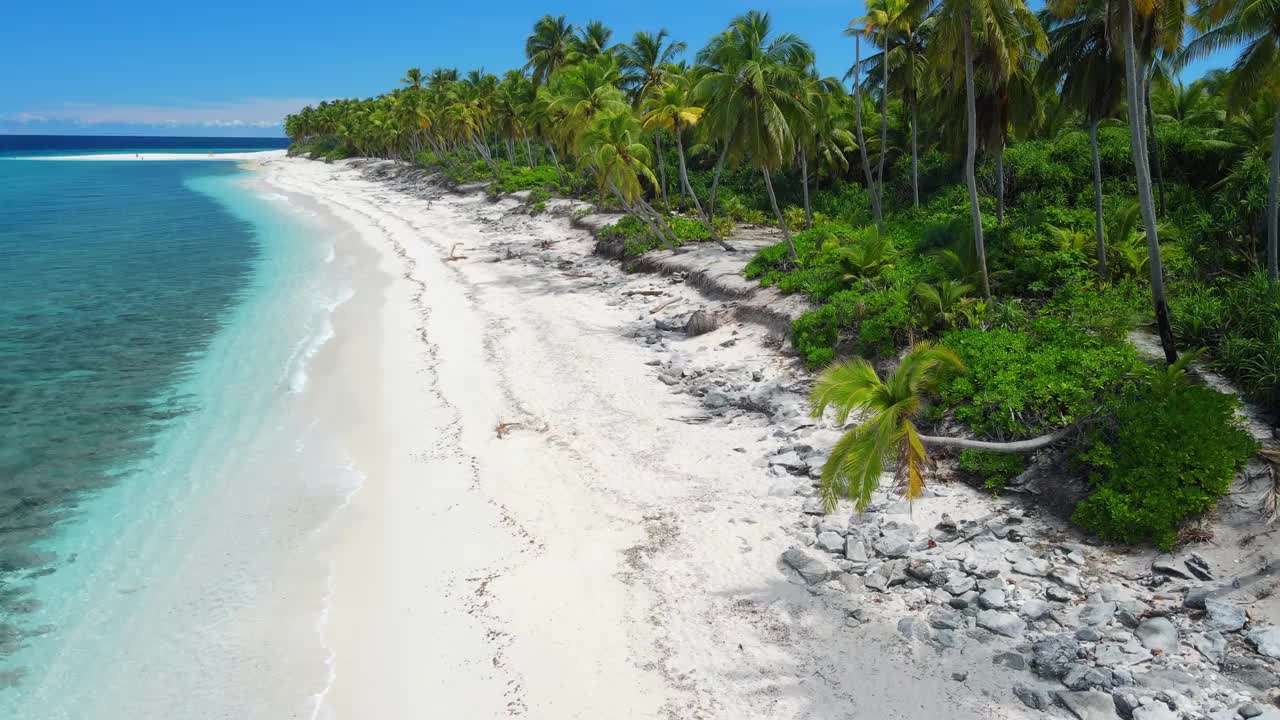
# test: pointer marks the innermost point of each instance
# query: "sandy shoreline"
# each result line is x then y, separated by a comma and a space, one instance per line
562, 518
603, 558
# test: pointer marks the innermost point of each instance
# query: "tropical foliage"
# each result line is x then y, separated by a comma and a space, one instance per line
988, 187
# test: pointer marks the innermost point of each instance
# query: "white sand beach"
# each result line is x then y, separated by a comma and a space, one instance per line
556, 525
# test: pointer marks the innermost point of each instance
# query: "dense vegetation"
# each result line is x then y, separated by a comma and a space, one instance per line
980, 186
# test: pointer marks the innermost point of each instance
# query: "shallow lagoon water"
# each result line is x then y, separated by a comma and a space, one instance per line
166, 486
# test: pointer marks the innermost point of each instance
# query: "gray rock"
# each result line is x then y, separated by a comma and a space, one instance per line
1198, 566
1224, 616
895, 541
1266, 640
1166, 565
1034, 609
1212, 645
831, 542
1154, 711
919, 569
946, 619
1157, 634
1251, 710
1088, 634
1032, 567
1126, 703
958, 583
811, 568
1067, 576
992, 600
1034, 698
790, 460
913, 628
1054, 655
1097, 613
855, 549
1089, 704
1196, 598
1057, 594
715, 399
1011, 660
1082, 677
699, 323
1001, 623
875, 581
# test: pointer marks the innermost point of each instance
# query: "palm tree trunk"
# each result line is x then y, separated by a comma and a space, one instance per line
1143, 171
804, 176
643, 217
1153, 145
1097, 197
1273, 212
662, 168
528, 151
915, 161
715, 180
862, 143
970, 155
1000, 180
686, 187
782, 222
556, 160
884, 122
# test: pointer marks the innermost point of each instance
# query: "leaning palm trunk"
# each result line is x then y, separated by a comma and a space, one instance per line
782, 222
1145, 201
1000, 181
970, 156
862, 143
1273, 213
884, 123
1097, 197
556, 161
686, 187
715, 180
1152, 144
915, 161
804, 183
662, 168
642, 215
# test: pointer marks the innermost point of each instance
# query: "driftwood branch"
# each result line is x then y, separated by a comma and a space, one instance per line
1018, 446
669, 302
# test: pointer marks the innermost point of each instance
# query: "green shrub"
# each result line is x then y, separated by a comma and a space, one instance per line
1168, 455
1022, 384
994, 469
519, 177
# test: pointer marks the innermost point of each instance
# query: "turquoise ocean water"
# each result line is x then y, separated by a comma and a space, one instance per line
165, 482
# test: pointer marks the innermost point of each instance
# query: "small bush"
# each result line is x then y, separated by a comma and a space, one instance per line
994, 469
1022, 384
1168, 455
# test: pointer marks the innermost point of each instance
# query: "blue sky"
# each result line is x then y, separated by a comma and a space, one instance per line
236, 67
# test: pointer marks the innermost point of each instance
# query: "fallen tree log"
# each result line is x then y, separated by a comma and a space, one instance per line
1017, 446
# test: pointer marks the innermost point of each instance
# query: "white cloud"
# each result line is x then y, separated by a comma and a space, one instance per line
246, 113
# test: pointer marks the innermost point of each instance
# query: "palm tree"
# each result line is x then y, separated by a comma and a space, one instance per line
547, 48
1083, 67
413, 78
644, 62
612, 150
888, 432
1256, 25
891, 22
908, 41
757, 81
669, 108
590, 42
645, 59
872, 191
958, 24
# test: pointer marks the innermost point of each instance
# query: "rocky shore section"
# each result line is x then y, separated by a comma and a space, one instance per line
985, 587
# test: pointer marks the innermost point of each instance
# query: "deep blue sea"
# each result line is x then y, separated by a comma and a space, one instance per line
156, 321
